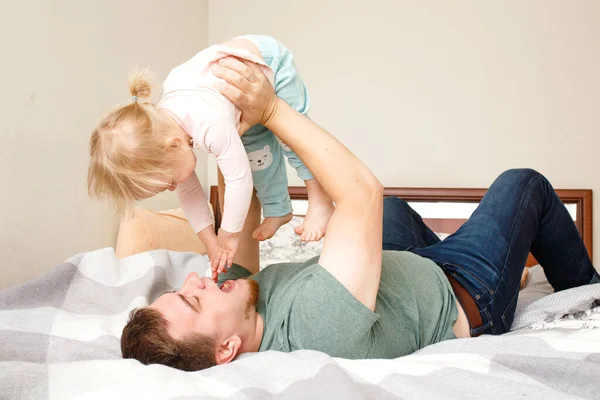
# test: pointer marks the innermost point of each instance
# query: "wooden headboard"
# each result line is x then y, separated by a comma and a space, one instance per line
581, 198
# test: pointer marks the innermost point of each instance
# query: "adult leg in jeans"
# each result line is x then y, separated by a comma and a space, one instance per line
403, 228
520, 212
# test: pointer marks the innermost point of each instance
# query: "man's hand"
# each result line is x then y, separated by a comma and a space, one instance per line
227, 244
248, 88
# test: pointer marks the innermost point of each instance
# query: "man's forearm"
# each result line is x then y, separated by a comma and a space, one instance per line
334, 166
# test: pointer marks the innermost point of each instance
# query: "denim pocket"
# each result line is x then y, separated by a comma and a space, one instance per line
477, 288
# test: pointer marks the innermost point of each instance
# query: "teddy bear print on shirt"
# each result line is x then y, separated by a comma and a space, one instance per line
260, 159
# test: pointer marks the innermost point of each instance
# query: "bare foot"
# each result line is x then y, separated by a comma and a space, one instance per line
320, 209
315, 223
269, 226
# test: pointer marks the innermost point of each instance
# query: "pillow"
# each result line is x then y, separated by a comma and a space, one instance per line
442, 236
147, 230
544, 306
536, 287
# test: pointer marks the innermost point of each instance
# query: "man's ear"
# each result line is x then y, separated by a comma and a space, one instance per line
228, 350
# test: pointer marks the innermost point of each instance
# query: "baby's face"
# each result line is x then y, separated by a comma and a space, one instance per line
181, 151
185, 163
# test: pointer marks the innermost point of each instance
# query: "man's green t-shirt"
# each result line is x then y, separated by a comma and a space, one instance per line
305, 307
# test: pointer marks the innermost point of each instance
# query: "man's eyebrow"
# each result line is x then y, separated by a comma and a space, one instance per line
187, 303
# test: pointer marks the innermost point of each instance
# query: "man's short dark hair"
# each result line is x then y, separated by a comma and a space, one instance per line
145, 338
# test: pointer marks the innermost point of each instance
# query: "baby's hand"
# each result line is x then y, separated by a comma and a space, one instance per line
227, 244
214, 256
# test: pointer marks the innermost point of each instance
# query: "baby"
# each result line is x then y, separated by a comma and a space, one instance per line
140, 150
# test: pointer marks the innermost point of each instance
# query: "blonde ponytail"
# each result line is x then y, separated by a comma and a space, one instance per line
140, 86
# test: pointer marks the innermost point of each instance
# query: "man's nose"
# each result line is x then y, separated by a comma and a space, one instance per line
192, 282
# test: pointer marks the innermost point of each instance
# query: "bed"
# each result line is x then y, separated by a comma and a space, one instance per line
59, 333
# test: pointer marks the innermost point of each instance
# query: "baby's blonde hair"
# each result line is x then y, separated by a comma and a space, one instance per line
128, 157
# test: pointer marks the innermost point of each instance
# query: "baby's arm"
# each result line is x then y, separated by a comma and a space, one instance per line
224, 142
194, 205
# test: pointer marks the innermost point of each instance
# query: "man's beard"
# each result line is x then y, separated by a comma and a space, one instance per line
252, 297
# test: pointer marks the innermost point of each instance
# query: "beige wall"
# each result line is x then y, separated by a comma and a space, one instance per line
63, 64
446, 93
427, 93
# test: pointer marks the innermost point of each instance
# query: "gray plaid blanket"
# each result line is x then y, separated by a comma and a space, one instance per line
59, 339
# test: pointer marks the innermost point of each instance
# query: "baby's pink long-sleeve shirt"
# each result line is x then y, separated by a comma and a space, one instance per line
212, 122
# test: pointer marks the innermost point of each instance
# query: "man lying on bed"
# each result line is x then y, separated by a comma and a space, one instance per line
355, 300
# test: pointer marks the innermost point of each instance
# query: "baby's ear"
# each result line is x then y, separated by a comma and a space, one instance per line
174, 142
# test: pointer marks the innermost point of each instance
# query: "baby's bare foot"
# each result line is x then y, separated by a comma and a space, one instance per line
269, 226
315, 223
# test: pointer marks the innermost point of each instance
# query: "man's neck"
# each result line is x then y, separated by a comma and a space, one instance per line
255, 336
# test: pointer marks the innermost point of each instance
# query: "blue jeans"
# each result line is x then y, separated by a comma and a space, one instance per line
519, 213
